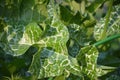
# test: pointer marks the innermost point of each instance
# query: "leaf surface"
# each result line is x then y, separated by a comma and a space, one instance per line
113, 24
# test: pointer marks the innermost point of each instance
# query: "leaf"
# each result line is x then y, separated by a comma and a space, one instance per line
20, 38
33, 10
103, 70
113, 25
58, 64
60, 78
52, 42
21, 29
51, 39
54, 65
77, 19
52, 59
109, 60
113, 77
51, 64
67, 14
2, 28
71, 18
95, 5
80, 34
87, 58
73, 48
14, 65
74, 77
74, 67
34, 68
10, 9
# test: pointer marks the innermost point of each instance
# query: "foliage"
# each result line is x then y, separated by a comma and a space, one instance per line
59, 40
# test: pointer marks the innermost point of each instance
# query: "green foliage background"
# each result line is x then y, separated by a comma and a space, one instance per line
59, 39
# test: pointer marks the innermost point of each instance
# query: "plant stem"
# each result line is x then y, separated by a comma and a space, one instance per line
106, 40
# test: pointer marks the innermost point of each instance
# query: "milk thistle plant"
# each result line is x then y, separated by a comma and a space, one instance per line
59, 40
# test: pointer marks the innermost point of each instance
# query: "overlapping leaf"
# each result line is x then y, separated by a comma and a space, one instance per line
22, 29
113, 24
21, 41
79, 36
95, 5
56, 64
55, 42
37, 23
87, 58
52, 59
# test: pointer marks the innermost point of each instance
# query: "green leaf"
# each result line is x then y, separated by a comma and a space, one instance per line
71, 18
35, 66
33, 10
51, 39
54, 41
10, 9
103, 70
14, 65
54, 65
109, 60
20, 18
2, 28
60, 78
95, 5
67, 14
53, 55
51, 64
20, 38
113, 77
80, 34
74, 67
113, 24
77, 19
87, 58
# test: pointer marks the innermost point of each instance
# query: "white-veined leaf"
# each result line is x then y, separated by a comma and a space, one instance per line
113, 24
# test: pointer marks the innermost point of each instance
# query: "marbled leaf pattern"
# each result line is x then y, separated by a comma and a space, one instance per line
113, 24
